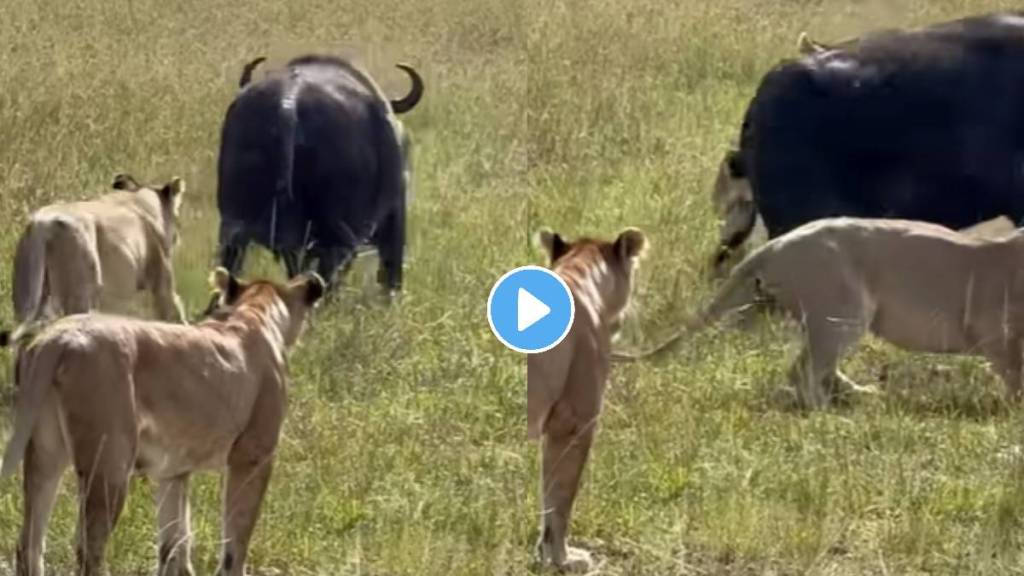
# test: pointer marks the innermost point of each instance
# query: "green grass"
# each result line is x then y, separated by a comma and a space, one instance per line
405, 450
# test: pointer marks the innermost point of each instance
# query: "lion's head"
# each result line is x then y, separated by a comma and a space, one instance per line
298, 296
607, 266
168, 197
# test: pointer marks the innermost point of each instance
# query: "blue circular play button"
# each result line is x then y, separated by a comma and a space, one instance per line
530, 309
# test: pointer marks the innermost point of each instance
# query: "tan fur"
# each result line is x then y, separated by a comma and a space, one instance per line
994, 229
80, 256
733, 202
920, 286
112, 395
565, 385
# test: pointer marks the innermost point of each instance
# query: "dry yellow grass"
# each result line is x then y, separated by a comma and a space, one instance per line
405, 450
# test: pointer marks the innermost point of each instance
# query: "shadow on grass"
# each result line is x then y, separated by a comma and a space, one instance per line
950, 391
628, 557
958, 392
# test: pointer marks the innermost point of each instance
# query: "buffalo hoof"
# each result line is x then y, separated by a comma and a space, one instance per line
785, 399
331, 295
391, 295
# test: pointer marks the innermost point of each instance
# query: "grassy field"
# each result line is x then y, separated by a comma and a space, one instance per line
405, 450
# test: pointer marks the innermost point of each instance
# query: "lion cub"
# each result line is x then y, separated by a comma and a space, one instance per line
565, 385
920, 286
74, 256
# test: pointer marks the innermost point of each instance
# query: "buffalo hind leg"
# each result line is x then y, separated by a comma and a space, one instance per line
292, 264
232, 256
232, 244
331, 259
310, 260
45, 461
174, 536
566, 447
309, 257
390, 240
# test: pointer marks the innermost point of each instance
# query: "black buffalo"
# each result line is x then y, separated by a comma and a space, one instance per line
314, 164
923, 124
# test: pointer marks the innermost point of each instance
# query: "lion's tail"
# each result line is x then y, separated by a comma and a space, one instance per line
41, 368
740, 291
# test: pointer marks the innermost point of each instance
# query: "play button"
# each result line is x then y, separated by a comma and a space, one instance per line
530, 309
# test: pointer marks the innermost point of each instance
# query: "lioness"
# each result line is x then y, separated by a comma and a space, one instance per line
113, 394
733, 202
79, 256
920, 286
565, 385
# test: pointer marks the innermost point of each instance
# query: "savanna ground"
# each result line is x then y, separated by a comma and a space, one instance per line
405, 449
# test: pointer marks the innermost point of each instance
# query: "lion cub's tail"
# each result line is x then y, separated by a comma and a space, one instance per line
739, 292
41, 367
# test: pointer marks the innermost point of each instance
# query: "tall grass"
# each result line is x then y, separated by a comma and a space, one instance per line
404, 450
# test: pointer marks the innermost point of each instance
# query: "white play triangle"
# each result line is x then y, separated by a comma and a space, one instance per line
529, 310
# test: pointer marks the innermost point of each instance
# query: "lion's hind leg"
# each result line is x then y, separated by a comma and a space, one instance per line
250, 463
244, 490
102, 495
815, 375
73, 270
174, 536
102, 432
45, 461
166, 301
566, 447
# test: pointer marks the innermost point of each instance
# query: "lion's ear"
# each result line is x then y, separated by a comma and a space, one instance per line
125, 182
173, 189
734, 162
315, 288
224, 282
552, 243
172, 192
631, 244
219, 278
308, 287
